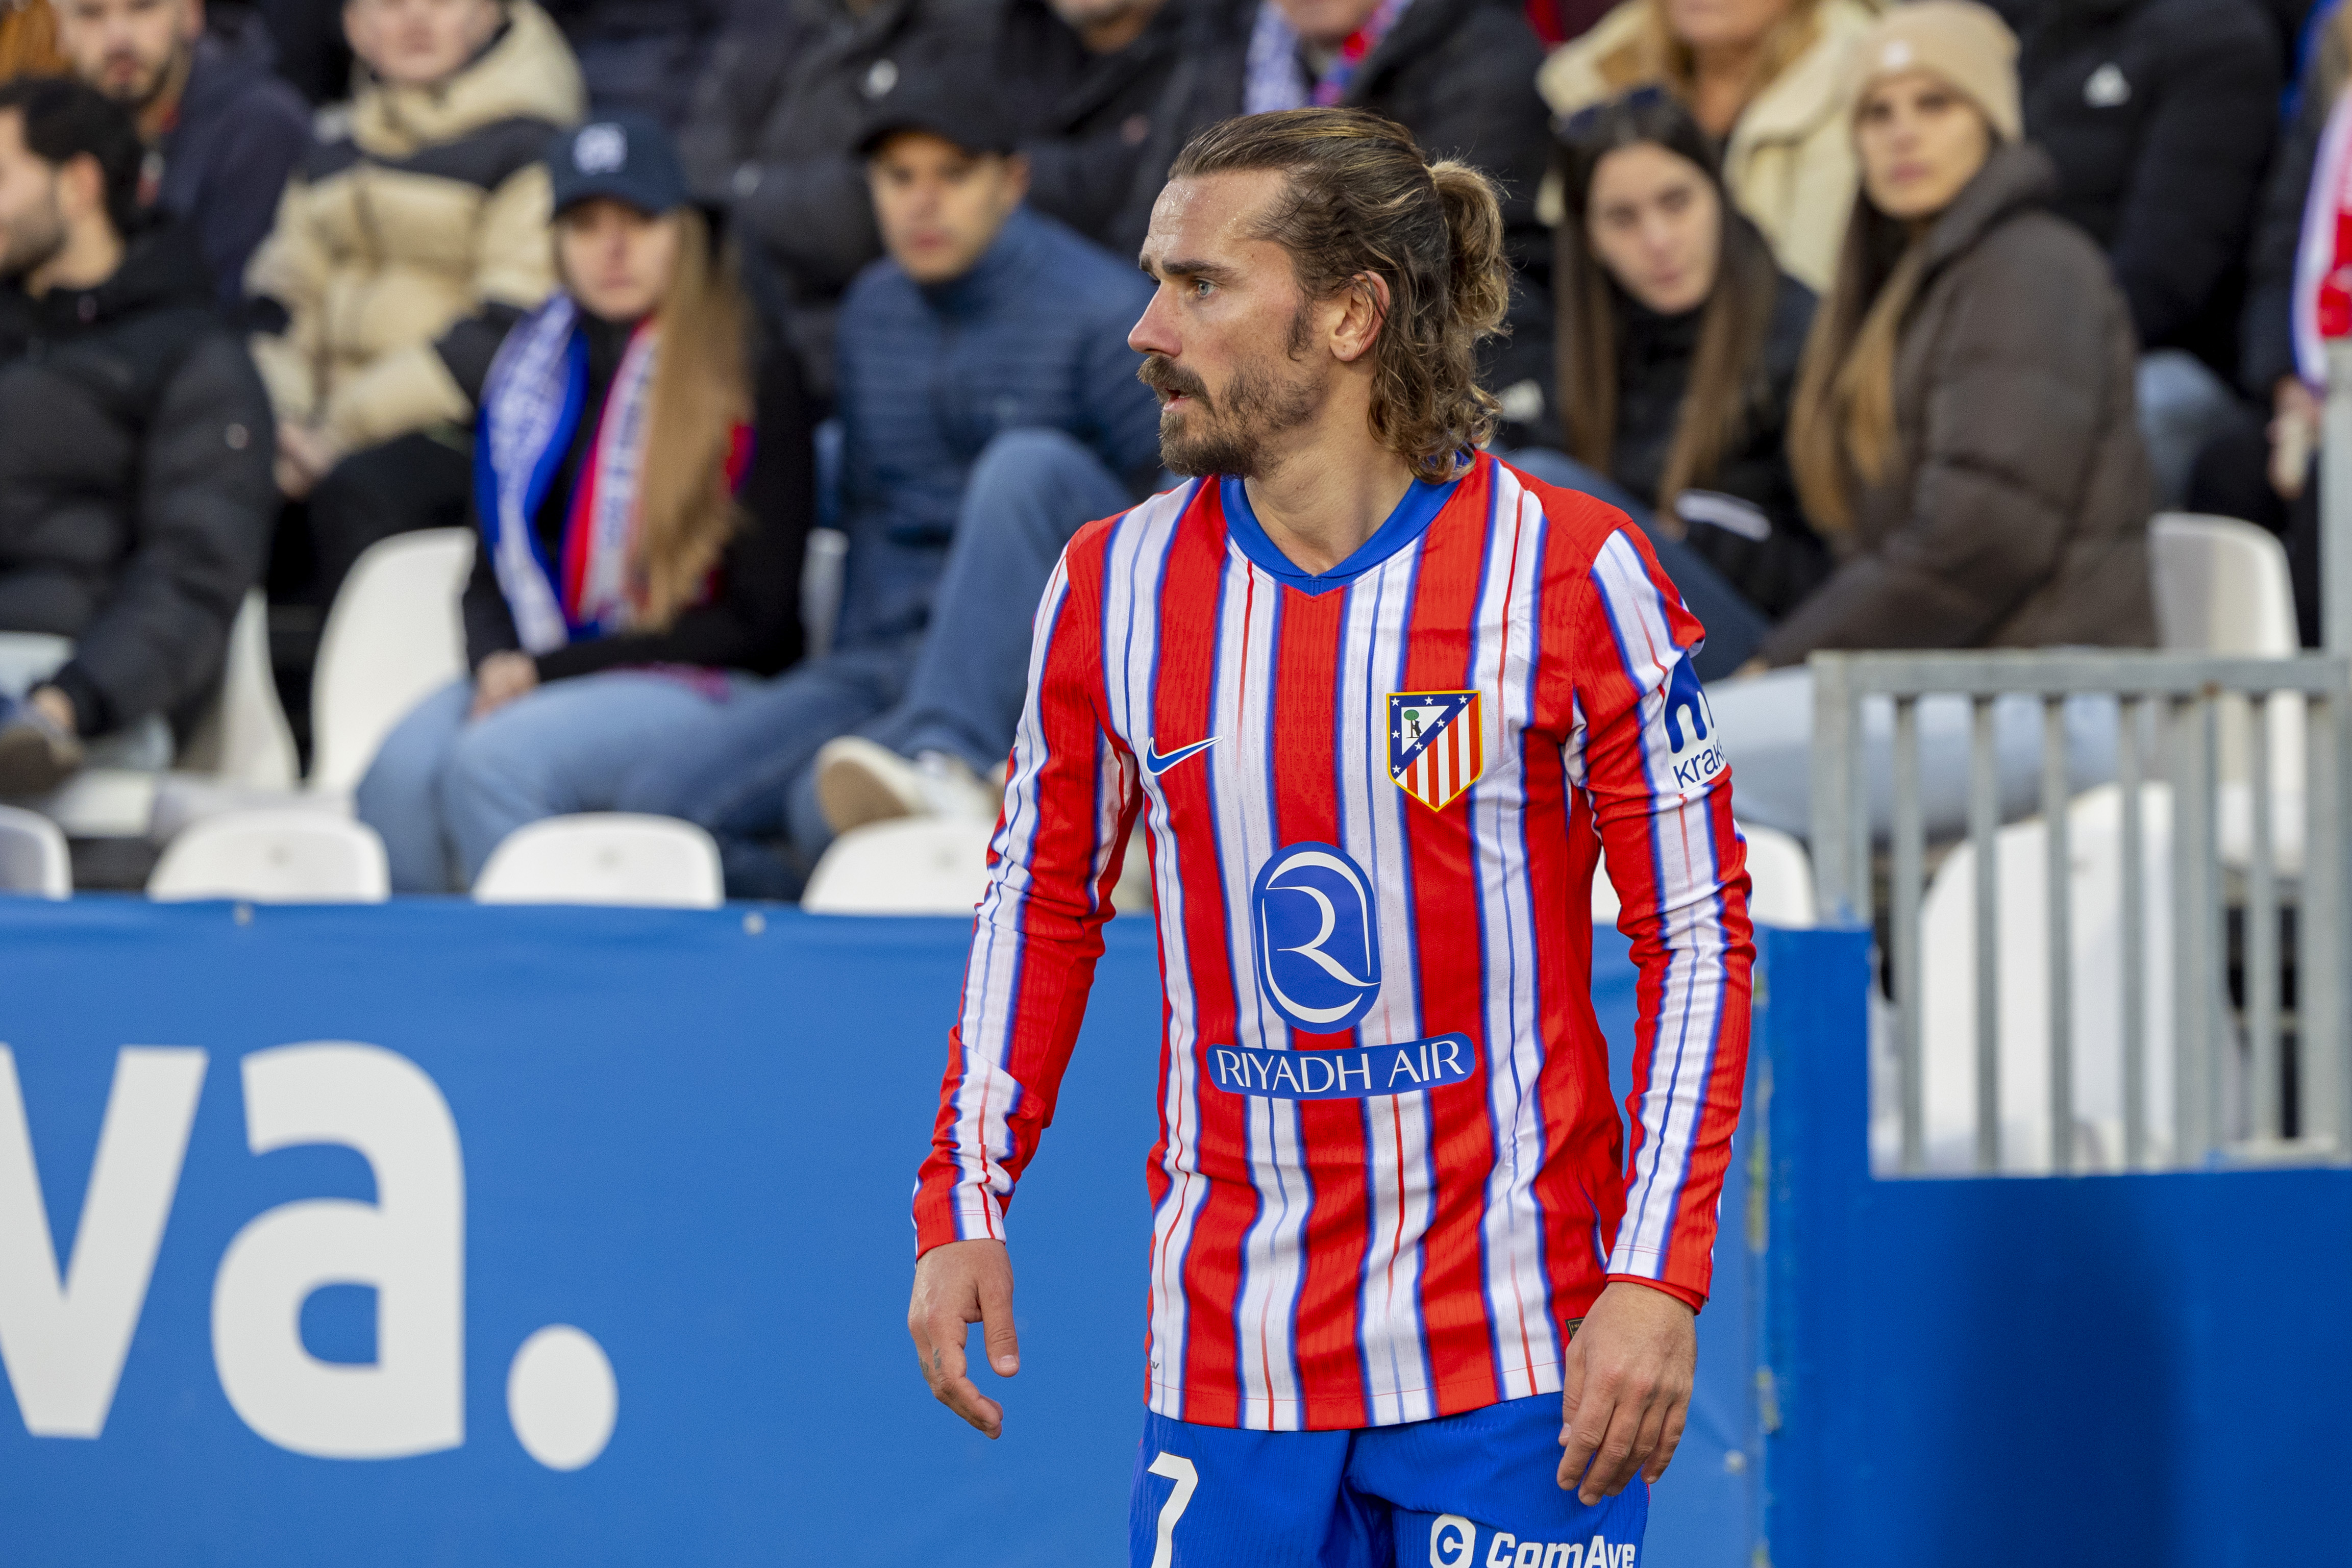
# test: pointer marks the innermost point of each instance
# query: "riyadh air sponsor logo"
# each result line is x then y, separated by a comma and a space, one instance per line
1437, 746
1318, 935
1353, 1072
67, 1315
1158, 761
1453, 1544
1694, 748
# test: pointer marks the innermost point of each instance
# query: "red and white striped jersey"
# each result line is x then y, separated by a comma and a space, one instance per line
1389, 1173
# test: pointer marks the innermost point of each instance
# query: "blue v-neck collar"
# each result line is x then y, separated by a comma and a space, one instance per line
1412, 517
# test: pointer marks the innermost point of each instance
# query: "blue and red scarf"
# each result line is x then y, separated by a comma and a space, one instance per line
532, 407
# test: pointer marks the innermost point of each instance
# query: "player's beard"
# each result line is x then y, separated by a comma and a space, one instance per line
32, 239
1231, 432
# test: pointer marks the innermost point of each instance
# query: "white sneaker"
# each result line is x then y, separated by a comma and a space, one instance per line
859, 781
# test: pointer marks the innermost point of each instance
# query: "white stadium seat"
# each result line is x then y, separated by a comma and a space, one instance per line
245, 740
32, 855
393, 637
286, 856
604, 857
917, 865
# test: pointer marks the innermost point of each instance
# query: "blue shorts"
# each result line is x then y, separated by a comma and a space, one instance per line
1474, 1490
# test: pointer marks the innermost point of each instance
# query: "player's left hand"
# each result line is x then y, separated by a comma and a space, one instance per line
1626, 1390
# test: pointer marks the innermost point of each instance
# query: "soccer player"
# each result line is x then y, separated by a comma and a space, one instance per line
1382, 702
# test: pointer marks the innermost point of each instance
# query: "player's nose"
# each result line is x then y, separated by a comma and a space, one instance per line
1154, 332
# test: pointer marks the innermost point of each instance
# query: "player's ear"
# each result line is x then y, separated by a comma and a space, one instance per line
1364, 306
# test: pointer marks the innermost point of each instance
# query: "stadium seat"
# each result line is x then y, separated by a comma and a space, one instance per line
2222, 587
243, 740
823, 571
1781, 875
285, 856
393, 637
32, 855
918, 865
1948, 1039
604, 857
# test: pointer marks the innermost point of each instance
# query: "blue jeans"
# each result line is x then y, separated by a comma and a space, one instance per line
1734, 628
750, 779
445, 790
2183, 405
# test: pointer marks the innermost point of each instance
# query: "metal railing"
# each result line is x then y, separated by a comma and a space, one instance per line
2169, 710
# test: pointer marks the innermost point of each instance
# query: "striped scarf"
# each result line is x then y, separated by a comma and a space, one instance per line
1275, 77
531, 406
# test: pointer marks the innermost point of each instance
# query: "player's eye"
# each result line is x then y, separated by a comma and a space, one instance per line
1200, 288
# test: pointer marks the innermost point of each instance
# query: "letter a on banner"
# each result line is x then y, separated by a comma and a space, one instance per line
410, 1244
66, 1327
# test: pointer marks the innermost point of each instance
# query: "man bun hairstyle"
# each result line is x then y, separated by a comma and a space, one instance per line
64, 119
1359, 197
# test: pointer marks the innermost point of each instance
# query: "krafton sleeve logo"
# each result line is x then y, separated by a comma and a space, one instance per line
1318, 944
1694, 749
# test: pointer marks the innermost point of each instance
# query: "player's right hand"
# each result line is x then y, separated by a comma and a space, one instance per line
957, 1284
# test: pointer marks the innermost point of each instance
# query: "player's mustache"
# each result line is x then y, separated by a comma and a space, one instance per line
1167, 378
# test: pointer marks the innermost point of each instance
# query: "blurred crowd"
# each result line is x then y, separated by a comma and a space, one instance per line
1893, 326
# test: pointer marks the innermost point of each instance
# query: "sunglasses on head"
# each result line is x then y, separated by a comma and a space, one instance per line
1580, 127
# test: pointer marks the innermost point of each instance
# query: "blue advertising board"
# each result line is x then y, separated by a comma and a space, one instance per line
432, 1234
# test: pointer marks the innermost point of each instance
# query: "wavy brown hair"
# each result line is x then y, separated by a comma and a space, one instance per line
701, 392
1359, 199
1728, 382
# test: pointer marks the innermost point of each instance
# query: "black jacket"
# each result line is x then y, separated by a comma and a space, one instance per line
752, 622
135, 490
1086, 118
1460, 74
791, 86
2159, 115
1653, 366
641, 55
239, 132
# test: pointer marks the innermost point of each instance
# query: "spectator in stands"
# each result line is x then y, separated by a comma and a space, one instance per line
2268, 473
1764, 78
641, 56
134, 451
1458, 74
990, 408
225, 131
1678, 347
402, 252
1964, 430
645, 488
1091, 77
774, 127
2159, 115
28, 41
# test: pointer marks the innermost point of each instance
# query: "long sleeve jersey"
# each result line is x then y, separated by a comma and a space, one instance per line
1389, 1178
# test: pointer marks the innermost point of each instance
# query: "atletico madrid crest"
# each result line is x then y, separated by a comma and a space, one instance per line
1437, 746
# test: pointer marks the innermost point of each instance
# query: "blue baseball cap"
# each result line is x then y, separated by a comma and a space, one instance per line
627, 157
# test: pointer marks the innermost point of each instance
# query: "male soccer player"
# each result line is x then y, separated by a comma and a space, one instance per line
1383, 701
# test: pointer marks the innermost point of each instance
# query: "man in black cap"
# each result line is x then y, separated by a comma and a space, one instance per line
989, 407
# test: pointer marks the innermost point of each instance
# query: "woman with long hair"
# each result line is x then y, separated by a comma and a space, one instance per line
1678, 341
1963, 434
643, 485
1765, 81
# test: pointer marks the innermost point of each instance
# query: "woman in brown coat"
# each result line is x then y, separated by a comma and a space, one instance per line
1964, 431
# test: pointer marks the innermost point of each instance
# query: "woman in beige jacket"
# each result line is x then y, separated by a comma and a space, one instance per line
403, 250
1765, 78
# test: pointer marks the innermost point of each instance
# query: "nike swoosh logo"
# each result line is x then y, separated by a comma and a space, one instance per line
1160, 762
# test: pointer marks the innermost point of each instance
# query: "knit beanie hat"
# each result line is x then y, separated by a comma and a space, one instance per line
1964, 43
